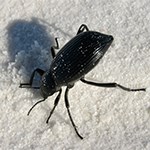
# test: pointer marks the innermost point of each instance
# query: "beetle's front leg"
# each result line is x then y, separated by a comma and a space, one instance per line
112, 85
55, 104
29, 85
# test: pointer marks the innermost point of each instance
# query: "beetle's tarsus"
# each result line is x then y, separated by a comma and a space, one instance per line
129, 89
25, 85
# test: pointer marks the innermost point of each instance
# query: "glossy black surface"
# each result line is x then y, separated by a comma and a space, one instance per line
79, 56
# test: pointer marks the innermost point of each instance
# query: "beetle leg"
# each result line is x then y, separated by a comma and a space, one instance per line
68, 110
55, 104
54, 47
112, 85
29, 85
82, 28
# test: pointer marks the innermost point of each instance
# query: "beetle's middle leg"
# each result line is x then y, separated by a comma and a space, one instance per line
54, 47
29, 85
82, 28
68, 110
112, 85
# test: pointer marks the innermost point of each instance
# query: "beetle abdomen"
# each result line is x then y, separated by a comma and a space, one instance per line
79, 56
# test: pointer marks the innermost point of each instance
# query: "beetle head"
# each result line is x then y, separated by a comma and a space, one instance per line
48, 86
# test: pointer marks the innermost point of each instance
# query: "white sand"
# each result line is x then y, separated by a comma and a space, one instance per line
108, 119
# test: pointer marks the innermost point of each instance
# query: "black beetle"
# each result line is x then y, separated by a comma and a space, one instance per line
80, 55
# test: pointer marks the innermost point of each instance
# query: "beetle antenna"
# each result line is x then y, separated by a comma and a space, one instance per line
35, 105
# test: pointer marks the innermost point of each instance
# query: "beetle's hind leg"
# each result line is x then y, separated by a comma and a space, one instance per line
112, 85
29, 85
82, 28
54, 47
68, 110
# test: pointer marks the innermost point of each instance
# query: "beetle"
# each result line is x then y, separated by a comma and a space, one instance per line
79, 56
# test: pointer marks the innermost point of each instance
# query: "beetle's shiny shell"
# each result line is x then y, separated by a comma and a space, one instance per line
79, 56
